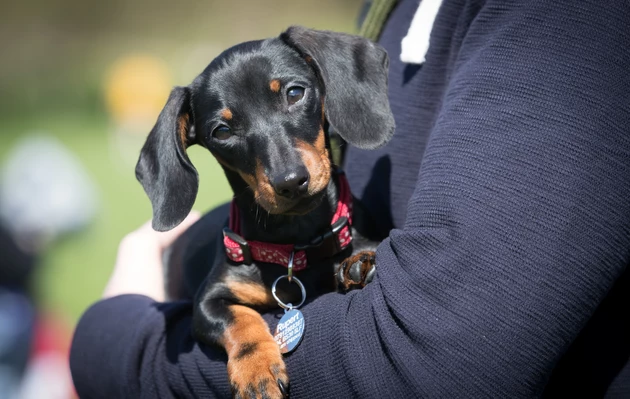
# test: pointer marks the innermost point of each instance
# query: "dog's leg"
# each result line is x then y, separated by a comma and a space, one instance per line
255, 365
356, 271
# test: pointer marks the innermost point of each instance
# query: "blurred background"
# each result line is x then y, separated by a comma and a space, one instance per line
81, 85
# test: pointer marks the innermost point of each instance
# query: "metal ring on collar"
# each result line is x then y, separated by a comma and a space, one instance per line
282, 304
290, 266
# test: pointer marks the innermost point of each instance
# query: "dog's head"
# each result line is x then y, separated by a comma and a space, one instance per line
260, 108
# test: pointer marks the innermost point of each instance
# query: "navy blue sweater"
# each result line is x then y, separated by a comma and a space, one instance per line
507, 185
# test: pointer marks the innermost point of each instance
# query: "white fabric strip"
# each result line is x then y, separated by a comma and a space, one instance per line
416, 44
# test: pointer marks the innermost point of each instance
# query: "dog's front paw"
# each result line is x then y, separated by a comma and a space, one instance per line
356, 271
257, 371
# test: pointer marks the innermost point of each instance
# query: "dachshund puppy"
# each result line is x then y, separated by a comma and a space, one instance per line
264, 109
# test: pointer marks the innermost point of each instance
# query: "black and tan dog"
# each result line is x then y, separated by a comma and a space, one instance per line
263, 109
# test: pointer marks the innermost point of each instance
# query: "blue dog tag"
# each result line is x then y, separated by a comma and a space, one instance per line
289, 330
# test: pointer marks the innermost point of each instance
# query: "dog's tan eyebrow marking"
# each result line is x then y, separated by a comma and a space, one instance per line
308, 58
226, 114
274, 85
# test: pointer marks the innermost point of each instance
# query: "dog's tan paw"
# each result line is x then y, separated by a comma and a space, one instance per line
257, 371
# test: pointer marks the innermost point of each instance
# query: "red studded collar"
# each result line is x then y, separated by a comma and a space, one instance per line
333, 241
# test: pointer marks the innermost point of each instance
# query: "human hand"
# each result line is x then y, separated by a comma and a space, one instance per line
138, 268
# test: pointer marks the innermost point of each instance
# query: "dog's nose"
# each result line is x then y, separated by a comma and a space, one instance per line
292, 184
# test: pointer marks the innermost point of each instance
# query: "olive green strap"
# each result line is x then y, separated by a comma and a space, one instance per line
375, 19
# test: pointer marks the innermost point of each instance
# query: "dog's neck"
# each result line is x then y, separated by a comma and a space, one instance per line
259, 225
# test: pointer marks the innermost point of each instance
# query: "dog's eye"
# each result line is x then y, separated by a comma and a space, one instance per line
294, 94
222, 133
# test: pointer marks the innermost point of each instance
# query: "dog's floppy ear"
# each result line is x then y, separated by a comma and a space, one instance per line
164, 169
353, 73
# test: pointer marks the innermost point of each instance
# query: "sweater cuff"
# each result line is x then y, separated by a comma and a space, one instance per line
97, 358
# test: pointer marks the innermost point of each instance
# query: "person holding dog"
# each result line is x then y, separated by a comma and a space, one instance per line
504, 195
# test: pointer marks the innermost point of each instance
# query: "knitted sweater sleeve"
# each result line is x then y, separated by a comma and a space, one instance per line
518, 227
